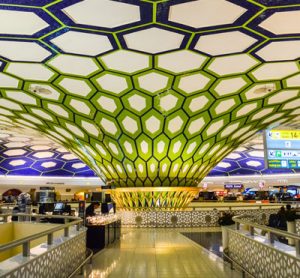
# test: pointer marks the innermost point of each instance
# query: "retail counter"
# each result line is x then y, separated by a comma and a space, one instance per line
102, 231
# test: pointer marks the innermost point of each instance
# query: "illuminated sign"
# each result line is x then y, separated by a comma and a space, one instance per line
282, 149
233, 186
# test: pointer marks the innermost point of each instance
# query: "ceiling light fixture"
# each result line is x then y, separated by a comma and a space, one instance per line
39, 90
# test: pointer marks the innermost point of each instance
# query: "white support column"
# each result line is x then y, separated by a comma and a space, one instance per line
291, 228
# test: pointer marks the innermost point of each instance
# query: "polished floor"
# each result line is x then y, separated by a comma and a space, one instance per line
161, 253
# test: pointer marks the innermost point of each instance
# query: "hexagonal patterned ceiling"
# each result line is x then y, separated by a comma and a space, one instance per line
35, 155
149, 93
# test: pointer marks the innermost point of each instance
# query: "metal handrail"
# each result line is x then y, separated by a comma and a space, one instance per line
49, 233
271, 231
88, 258
265, 228
225, 253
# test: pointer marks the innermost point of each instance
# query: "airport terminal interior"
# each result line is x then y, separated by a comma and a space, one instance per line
149, 138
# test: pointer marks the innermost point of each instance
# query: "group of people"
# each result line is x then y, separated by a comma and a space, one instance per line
279, 220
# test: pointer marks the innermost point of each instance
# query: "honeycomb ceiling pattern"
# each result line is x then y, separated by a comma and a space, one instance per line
149, 93
35, 155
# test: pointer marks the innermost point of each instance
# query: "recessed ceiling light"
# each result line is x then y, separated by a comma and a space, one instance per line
265, 89
39, 90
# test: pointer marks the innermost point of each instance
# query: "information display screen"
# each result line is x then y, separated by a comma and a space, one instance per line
282, 149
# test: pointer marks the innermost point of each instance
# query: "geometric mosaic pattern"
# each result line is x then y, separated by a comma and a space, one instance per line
149, 93
53, 262
273, 262
39, 156
183, 218
148, 198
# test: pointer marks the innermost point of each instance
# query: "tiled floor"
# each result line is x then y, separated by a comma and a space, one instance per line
160, 253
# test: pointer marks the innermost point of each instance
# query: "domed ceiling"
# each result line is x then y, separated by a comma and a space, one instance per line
149, 93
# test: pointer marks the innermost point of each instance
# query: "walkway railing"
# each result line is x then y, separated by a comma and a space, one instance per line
259, 255
25, 242
65, 253
271, 232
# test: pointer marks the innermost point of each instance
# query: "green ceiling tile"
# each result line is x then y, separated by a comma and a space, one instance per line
75, 86
175, 123
185, 168
153, 123
58, 109
109, 170
113, 147
165, 165
196, 124
9, 82
175, 167
161, 145
232, 85
21, 96
246, 108
168, 102
156, 182
189, 61
128, 146
198, 103
152, 168
42, 114
282, 96
80, 106
148, 182
124, 61
214, 126
204, 148
129, 123
193, 83
144, 146
231, 128
107, 103
231, 64
190, 148
74, 65
30, 71
74, 129
130, 168
112, 83
176, 147
153, 82
141, 168
101, 149
138, 102
89, 127
120, 170
224, 105
108, 125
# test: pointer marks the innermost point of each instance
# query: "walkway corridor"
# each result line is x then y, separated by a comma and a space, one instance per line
161, 253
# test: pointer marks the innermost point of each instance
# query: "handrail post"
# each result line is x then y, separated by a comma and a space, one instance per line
26, 249
66, 232
50, 239
271, 237
237, 225
252, 230
297, 245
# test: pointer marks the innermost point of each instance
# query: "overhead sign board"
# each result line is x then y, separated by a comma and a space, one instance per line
282, 149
